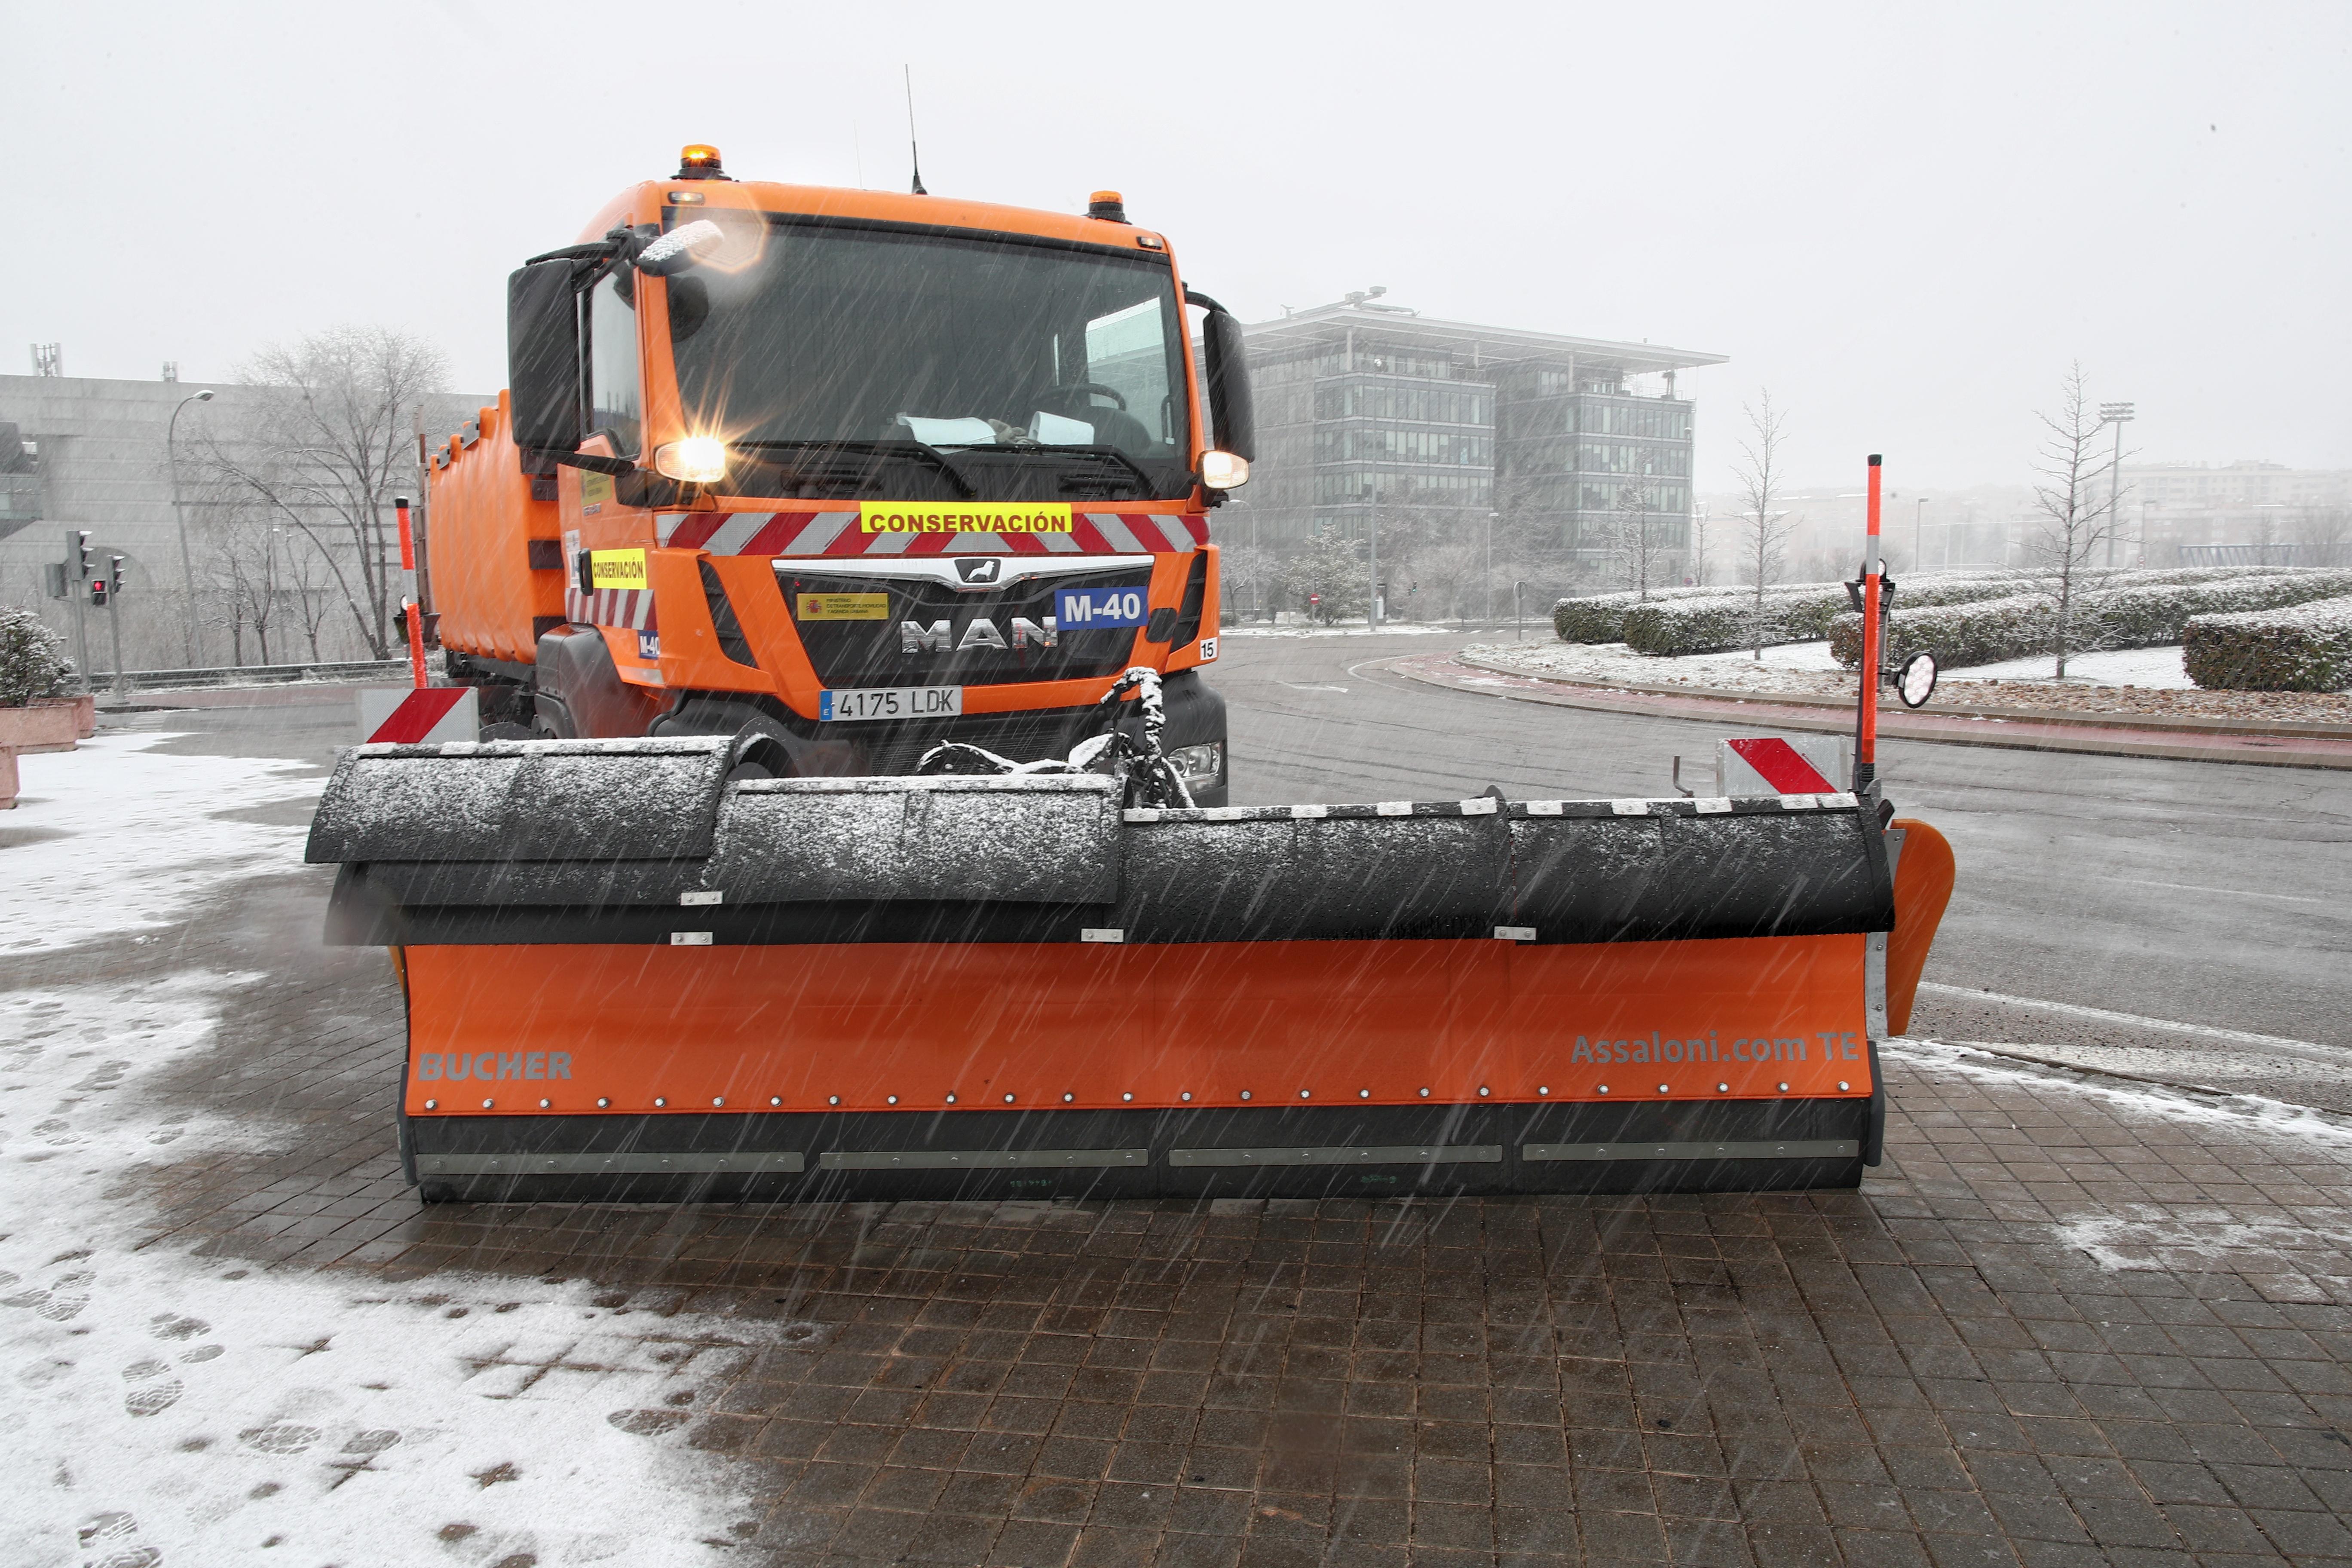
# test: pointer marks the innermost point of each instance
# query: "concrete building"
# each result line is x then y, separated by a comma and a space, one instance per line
2238, 514
1367, 408
81, 452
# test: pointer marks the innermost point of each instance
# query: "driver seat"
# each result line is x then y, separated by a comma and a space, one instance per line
1113, 427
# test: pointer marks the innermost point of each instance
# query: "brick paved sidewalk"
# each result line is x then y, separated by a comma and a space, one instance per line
2070, 1322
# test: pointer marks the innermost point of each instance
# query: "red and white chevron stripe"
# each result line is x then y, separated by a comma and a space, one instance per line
629, 607
836, 533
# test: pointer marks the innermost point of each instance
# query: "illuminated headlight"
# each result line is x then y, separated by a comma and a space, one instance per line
1199, 764
1224, 471
696, 460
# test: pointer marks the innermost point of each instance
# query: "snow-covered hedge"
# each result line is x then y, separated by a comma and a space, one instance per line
1798, 613
33, 662
2021, 625
1600, 617
2302, 647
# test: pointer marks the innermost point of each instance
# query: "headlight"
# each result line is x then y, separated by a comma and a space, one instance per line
1199, 763
1224, 471
696, 460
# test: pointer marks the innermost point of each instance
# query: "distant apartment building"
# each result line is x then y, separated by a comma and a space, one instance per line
1366, 409
2245, 513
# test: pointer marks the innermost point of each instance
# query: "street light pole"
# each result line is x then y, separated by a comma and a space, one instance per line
1918, 525
1486, 610
2118, 415
1372, 608
179, 516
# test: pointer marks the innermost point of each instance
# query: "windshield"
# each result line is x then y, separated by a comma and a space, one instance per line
1033, 369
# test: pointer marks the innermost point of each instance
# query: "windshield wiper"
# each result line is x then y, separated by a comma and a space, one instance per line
932, 454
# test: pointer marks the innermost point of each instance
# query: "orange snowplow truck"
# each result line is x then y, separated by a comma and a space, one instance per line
859, 471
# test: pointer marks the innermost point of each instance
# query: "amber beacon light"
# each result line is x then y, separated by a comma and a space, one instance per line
699, 161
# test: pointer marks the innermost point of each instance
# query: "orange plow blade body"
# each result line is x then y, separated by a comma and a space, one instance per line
835, 993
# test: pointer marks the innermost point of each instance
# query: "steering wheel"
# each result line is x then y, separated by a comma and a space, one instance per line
1119, 398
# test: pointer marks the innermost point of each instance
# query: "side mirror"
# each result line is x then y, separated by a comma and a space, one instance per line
543, 356
1235, 421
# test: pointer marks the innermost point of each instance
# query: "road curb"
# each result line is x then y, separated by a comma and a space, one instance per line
2155, 740
2061, 717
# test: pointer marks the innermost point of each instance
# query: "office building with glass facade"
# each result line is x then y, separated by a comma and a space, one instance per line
1365, 405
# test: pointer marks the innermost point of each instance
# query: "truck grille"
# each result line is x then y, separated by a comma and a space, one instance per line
871, 652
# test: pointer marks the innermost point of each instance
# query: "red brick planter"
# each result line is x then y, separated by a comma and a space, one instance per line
50, 725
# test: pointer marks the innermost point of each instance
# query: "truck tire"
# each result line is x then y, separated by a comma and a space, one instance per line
581, 695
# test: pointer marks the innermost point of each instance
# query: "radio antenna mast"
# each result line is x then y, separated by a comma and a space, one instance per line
914, 152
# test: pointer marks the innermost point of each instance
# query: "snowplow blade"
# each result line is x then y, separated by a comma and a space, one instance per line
629, 977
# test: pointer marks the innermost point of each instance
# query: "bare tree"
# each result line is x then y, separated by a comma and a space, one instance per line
1451, 578
241, 567
310, 589
1633, 537
329, 447
2077, 514
1249, 579
1699, 521
1761, 482
2323, 536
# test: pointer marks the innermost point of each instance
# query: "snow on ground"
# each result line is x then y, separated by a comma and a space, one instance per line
167, 1408
1807, 667
1387, 628
1788, 668
2175, 1237
115, 836
2146, 667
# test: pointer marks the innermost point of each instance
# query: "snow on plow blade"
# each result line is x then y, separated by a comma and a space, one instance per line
631, 977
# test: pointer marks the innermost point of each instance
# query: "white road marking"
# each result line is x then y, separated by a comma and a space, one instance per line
1306, 685
2102, 1015
2233, 892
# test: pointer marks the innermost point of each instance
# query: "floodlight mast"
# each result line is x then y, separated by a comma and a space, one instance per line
1866, 736
2117, 415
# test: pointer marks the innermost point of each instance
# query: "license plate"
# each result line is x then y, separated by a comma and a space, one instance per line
855, 702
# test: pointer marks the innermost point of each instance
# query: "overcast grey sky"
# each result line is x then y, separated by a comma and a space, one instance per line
1905, 221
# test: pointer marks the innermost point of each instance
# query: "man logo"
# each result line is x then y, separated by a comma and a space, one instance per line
978, 568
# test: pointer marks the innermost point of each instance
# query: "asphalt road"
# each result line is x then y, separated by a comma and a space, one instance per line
2210, 894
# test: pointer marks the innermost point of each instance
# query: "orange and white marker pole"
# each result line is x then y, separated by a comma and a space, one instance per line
1866, 738
414, 613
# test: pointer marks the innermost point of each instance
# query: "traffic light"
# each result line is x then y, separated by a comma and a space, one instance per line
84, 537
98, 592
116, 582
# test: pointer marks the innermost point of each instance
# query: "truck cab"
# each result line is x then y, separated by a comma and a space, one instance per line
859, 471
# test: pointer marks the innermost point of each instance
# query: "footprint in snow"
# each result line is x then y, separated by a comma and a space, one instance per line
153, 1389
54, 1130
279, 1437
62, 1301
647, 1423
111, 1534
172, 1326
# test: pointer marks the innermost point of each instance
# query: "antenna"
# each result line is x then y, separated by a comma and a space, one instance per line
914, 152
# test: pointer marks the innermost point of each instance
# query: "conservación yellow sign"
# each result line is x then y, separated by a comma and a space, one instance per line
963, 517
616, 568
